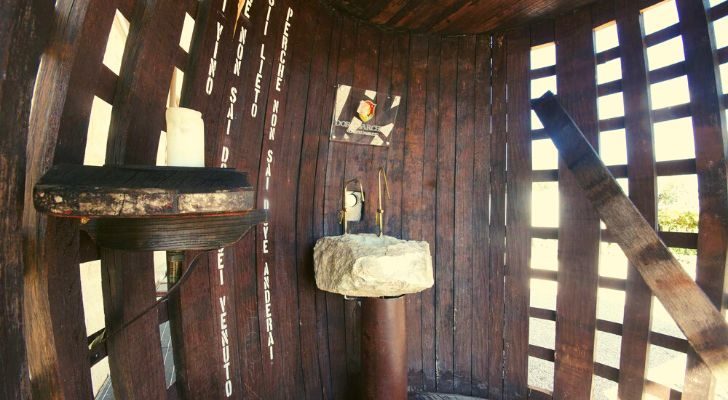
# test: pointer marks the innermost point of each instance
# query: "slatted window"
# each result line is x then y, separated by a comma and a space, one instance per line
116, 43
185, 40
98, 132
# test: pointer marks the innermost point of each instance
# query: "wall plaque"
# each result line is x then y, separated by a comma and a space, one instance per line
363, 116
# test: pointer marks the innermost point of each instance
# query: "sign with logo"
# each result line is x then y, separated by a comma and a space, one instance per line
363, 116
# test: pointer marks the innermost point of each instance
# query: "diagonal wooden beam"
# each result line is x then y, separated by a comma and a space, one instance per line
697, 317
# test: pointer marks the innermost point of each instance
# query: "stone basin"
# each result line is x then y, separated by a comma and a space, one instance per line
366, 265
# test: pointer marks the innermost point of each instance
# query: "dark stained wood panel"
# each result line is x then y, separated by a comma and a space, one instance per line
56, 331
518, 222
25, 26
497, 223
454, 16
325, 107
335, 177
412, 200
314, 360
444, 274
429, 203
481, 300
464, 201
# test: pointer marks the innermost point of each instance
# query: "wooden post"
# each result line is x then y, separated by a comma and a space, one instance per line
383, 349
429, 202
697, 317
518, 211
24, 28
445, 217
56, 334
481, 351
642, 192
711, 149
463, 286
497, 225
579, 232
412, 210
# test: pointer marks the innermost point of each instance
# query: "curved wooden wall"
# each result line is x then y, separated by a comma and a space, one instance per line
253, 323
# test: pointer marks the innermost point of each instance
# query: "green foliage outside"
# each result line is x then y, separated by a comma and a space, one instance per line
676, 212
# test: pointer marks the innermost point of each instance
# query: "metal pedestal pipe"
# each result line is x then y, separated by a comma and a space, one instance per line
383, 349
175, 268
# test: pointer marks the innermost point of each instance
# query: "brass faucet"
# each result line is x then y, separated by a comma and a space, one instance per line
380, 207
342, 213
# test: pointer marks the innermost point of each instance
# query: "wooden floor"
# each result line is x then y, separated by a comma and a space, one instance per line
440, 396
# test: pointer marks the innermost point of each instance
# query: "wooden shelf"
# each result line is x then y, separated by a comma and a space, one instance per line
152, 208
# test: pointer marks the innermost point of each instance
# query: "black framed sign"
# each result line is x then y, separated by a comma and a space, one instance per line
363, 116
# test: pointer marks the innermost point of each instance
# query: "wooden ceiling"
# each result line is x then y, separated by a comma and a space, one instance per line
453, 16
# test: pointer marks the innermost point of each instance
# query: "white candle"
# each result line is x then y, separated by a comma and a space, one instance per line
185, 138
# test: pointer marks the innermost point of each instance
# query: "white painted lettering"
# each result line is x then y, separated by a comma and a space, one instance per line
210, 83
239, 51
258, 79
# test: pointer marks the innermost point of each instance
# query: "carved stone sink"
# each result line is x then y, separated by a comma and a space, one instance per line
366, 265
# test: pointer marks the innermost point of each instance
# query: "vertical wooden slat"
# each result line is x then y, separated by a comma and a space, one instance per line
287, 148
412, 197
429, 204
334, 180
314, 360
319, 202
135, 359
463, 233
642, 191
359, 159
445, 221
518, 250
24, 25
711, 148
395, 153
56, 335
497, 226
385, 74
481, 310
576, 302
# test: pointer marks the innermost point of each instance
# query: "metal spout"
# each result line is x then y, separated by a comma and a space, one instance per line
342, 213
380, 206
